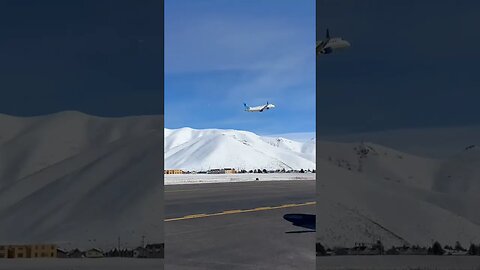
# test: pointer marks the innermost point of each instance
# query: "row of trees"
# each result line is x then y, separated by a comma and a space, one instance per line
435, 249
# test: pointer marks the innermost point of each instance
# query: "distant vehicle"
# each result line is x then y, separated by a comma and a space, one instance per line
330, 45
260, 108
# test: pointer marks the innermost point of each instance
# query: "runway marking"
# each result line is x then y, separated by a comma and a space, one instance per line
230, 212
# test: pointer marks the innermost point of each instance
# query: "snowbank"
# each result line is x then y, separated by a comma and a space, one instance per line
177, 179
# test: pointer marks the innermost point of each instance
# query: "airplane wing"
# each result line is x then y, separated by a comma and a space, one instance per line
320, 45
264, 107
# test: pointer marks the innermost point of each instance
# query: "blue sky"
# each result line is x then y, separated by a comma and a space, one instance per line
412, 64
219, 54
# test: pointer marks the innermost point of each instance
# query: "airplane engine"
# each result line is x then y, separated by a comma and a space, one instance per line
327, 50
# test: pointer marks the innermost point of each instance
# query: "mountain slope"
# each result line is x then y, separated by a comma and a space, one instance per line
367, 192
29, 144
81, 181
191, 149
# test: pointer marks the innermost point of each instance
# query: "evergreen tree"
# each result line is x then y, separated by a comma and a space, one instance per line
458, 246
320, 250
380, 246
437, 249
474, 249
471, 249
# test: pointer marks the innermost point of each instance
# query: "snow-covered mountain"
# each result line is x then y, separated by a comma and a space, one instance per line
367, 192
81, 181
193, 149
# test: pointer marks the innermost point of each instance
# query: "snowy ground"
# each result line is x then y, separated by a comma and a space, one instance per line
399, 262
176, 179
81, 264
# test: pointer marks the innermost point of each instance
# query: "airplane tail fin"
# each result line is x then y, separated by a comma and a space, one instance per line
246, 106
328, 34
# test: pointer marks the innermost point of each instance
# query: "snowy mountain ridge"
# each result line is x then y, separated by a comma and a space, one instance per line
204, 149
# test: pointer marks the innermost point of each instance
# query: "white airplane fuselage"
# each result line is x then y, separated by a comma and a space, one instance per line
259, 108
330, 45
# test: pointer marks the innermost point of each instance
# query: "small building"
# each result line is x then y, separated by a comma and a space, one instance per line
62, 253
408, 250
173, 171
75, 253
28, 251
94, 253
229, 170
155, 250
42, 251
140, 252
17, 251
3, 251
366, 249
216, 171
455, 252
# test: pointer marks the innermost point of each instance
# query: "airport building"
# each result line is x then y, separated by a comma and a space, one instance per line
17, 251
230, 170
94, 253
3, 252
173, 171
222, 171
215, 171
28, 251
42, 251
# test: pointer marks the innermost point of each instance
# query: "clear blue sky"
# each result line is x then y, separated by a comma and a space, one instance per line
219, 54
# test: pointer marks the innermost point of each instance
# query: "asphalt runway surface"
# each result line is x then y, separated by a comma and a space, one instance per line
239, 225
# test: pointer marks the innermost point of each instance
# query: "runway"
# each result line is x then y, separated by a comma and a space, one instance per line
239, 226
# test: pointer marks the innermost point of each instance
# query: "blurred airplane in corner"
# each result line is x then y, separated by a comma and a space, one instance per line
330, 45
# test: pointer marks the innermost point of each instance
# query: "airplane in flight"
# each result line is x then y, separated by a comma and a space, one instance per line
260, 108
330, 45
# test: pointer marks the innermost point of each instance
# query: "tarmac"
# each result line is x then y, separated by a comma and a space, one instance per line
240, 225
